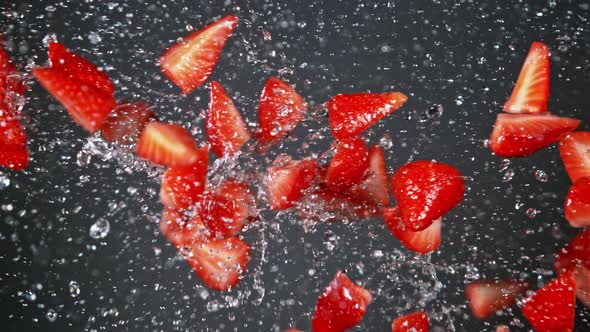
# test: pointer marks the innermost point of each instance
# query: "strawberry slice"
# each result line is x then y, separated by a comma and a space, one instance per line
220, 263
181, 229
226, 130
375, 188
287, 180
348, 166
168, 144
577, 204
76, 67
488, 296
521, 135
423, 242
531, 93
552, 308
280, 109
88, 106
354, 113
227, 209
190, 62
126, 123
341, 306
575, 154
182, 186
414, 322
425, 191
15, 158
575, 257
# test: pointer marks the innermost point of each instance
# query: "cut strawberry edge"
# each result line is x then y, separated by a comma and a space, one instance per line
375, 188
574, 150
182, 186
167, 144
287, 183
414, 322
577, 204
486, 297
181, 228
423, 242
126, 123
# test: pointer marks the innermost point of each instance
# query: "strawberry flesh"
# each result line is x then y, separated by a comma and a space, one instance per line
423, 242
577, 204
168, 144
286, 182
348, 165
126, 123
486, 297
414, 322
575, 257
375, 188
575, 154
182, 186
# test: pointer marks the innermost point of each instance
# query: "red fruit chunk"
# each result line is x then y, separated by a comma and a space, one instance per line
12, 133
354, 113
575, 257
423, 242
531, 93
552, 308
181, 229
286, 182
341, 306
168, 144
15, 158
577, 204
226, 130
227, 209
348, 166
182, 186
425, 191
88, 106
414, 322
524, 134
280, 109
375, 188
575, 154
292, 330
488, 296
126, 123
190, 62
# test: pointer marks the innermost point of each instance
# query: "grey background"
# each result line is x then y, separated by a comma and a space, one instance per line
463, 55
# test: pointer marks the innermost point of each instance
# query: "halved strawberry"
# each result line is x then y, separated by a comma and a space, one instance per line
577, 204
182, 186
488, 296
520, 135
552, 308
182, 229
126, 123
348, 165
375, 188
414, 322
280, 109
354, 113
287, 181
227, 209
88, 106
423, 242
575, 154
326, 205
14, 157
190, 62
425, 191
226, 130
76, 67
341, 306
531, 93
575, 257
168, 144
220, 263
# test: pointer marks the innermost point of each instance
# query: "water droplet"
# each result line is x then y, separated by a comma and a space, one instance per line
531, 212
504, 165
50, 8
51, 315
94, 38
100, 229
74, 288
4, 181
508, 175
434, 112
541, 175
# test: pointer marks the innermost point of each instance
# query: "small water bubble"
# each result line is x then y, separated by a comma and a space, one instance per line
100, 229
531, 212
4, 181
50, 8
51, 315
74, 288
541, 175
508, 175
204, 294
30, 296
504, 165
434, 112
459, 101
189, 27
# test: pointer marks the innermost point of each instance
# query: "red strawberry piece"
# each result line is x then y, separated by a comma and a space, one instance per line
341, 306
182, 229
280, 109
182, 186
423, 242
87, 105
15, 158
521, 135
76, 67
287, 181
292, 330
325, 205
577, 204
348, 165
190, 62
11, 83
488, 296
227, 209
425, 191
531, 93
375, 188
13, 141
552, 308
575, 154
414, 322
220, 263
502, 328
126, 123
575, 257
226, 130
168, 144
354, 113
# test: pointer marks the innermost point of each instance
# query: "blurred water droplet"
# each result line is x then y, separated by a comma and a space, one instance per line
4, 181
50, 8
94, 38
100, 229
504, 165
74, 288
51, 315
541, 175
434, 112
508, 175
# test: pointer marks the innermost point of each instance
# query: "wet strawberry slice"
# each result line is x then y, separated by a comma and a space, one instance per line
168, 144
182, 186
348, 166
226, 130
280, 109
425, 191
575, 154
375, 188
414, 322
577, 204
552, 308
12, 133
11, 83
520, 135
287, 181
87, 105
341, 306
423, 242
190, 62
486, 297
354, 113
575, 257
126, 123
14, 157
182, 229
